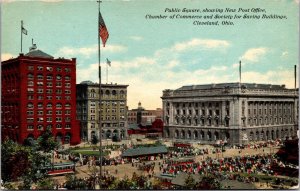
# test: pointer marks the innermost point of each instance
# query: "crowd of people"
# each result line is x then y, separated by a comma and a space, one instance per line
226, 168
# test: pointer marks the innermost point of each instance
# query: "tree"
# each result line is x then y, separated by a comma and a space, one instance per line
47, 142
189, 182
14, 160
46, 184
208, 183
94, 140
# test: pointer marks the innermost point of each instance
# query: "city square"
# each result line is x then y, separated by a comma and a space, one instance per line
134, 95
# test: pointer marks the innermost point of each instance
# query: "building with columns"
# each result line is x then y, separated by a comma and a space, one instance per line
232, 112
113, 110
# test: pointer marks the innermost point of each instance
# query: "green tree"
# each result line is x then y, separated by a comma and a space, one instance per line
189, 182
74, 183
94, 140
47, 142
14, 160
208, 183
46, 184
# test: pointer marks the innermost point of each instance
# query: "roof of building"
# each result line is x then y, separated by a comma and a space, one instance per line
133, 126
144, 151
38, 53
232, 85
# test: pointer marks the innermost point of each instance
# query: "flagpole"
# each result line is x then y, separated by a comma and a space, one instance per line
106, 73
100, 125
21, 34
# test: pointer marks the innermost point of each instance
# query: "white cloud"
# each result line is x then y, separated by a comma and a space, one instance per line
203, 43
254, 54
296, 1
136, 38
88, 51
6, 56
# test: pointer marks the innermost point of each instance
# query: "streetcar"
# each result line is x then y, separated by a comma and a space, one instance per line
61, 168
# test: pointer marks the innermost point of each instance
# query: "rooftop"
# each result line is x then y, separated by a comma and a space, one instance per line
232, 85
144, 151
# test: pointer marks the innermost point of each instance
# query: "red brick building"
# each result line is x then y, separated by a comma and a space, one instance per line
39, 92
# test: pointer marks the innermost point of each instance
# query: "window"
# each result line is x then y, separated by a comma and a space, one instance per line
68, 97
49, 84
49, 105
30, 90
67, 92
39, 91
40, 68
40, 127
30, 112
49, 112
30, 77
68, 105
58, 77
58, 106
58, 119
30, 106
40, 83
49, 91
67, 78
40, 119
58, 126
67, 119
30, 97
58, 97
29, 120
30, 67
58, 84
49, 119
67, 70
58, 112
40, 77
68, 126
58, 69
40, 105
30, 83
49, 77
58, 91
68, 85
30, 127
49, 69
40, 97
68, 112
49, 97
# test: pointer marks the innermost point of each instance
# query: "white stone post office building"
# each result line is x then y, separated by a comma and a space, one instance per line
232, 112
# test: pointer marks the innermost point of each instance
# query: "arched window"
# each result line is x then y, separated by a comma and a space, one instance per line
58, 77
58, 106
49, 105
30, 106
30, 76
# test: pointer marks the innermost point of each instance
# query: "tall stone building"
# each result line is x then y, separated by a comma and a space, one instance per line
113, 110
233, 112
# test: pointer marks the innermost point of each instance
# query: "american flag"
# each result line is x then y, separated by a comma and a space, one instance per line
103, 32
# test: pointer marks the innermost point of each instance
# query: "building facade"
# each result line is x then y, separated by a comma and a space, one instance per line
113, 110
39, 92
142, 116
233, 112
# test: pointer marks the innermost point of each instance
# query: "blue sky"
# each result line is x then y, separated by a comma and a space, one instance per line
151, 55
